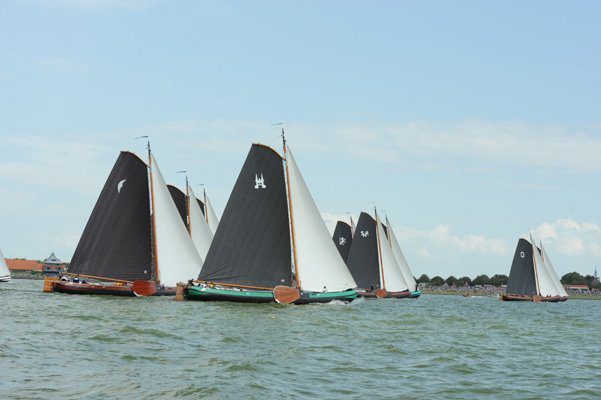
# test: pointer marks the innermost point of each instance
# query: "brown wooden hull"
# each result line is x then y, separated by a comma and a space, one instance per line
521, 297
367, 295
88, 288
398, 295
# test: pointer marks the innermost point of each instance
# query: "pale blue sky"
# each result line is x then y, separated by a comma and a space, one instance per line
468, 122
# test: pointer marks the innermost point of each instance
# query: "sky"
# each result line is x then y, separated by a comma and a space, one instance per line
468, 123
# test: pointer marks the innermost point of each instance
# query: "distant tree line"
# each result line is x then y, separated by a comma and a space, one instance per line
495, 280
572, 278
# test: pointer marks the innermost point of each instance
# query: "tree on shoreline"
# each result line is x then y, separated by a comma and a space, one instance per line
451, 280
464, 280
481, 280
437, 281
423, 279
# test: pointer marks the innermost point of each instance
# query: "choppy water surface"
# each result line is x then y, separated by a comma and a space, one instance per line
62, 346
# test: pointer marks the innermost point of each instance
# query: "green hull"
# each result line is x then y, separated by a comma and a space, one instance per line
415, 294
261, 296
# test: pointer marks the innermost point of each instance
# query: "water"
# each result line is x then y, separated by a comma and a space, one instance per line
62, 346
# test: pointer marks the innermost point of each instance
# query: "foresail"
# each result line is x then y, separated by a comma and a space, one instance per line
343, 238
391, 277
400, 258
560, 289
546, 286
177, 258
210, 215
116, 240
252, 244
522, 279
4, 271
363, 259
319, 265
199, 230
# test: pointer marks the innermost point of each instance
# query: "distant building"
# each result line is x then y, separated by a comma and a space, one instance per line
53, 265
577, 288
595, 277
18, 264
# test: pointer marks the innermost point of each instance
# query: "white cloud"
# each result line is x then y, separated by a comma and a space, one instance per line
569, 237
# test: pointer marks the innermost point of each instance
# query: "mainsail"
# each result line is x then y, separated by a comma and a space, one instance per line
116, 240
199, 230
343, 238
176, 257
391, 277
318, 264
522, 279
4, 271
251, 247
400, 258
180, 199
210, 215
363, 260
560, 289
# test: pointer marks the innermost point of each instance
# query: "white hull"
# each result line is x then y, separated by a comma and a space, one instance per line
5, 278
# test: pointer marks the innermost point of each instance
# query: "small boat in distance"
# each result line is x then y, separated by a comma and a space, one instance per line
4, 271
532, 277
343, 238
135, 237
272, 244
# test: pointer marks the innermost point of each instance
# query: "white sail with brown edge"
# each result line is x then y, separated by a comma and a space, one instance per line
199, 229
4, 271
176, 258
546, 288
391, 277
210, 215
318, 264
560, 289
400, 258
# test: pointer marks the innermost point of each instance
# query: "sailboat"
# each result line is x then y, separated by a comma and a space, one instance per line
343, 238
372, 262
4, 271
272, 243
532, 276
402, 262
135, 237
190, 210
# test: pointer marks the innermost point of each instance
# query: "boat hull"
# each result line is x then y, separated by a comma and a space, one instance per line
521, 297
5, 279
261, 296
95, 289
366, 294
415, 294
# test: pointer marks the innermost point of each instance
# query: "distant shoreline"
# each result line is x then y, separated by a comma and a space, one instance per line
494, 295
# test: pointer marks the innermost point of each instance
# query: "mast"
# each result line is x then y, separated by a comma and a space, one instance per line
534, 250
153, 219
188, 206
291, 212
378, 240
204, 193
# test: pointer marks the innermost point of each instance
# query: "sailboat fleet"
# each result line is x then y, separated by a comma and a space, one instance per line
147, 238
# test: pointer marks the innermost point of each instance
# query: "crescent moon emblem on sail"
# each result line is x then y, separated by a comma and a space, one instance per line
120, 185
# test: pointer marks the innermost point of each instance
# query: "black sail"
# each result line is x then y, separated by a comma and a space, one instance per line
343, 238
116, 240
521, 277
202, 206
363, 259
252, 244
180, 200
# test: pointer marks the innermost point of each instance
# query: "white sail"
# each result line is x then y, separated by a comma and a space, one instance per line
178, 260
560, 289
318, 263
4, 271
199, 229
391, 277
210, 215
400, 258
544, 279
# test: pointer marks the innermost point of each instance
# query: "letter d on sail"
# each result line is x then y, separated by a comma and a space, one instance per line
260, 182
